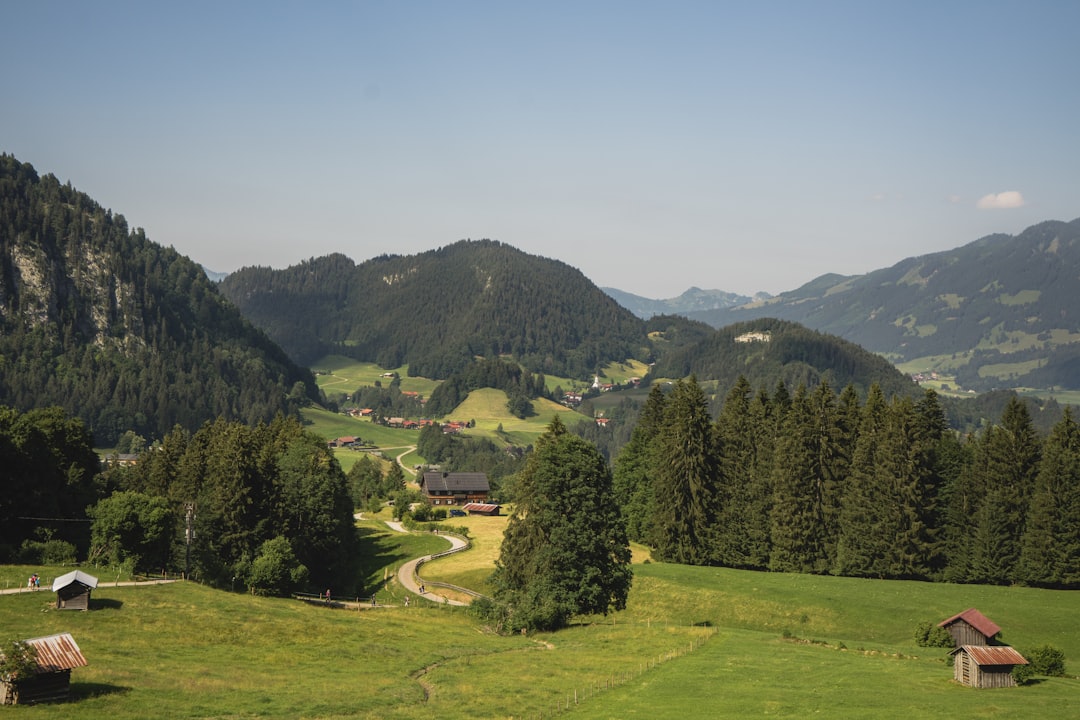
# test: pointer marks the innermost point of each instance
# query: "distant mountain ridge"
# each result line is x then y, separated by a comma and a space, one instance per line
693, 300
1002, 311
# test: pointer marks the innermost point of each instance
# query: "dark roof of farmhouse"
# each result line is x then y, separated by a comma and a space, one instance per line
456, 482
975, 619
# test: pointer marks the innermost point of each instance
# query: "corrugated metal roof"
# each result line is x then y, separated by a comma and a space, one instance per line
57, 652
75, 576
975, 619
992, 654
479, 507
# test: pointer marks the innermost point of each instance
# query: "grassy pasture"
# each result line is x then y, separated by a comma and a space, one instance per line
764, 644
345, 375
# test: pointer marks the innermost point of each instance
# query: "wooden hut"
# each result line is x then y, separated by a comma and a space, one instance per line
73, 590
475, 508
57, 655
970, 627
985, 666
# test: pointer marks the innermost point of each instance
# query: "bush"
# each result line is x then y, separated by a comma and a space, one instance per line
17, 661
1022, 674
1046, 660
276, 570
929, 634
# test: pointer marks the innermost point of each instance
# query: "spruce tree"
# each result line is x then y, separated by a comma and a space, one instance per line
797, 526
1050, 554
686, 476
565, 550
745, 494
633, 474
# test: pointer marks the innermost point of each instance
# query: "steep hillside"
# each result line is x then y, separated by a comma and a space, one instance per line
117, 330
439, 309
1007, 306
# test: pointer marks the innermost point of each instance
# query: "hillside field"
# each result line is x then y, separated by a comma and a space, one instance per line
693, 642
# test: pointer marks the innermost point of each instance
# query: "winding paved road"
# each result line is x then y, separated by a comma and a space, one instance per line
407, 572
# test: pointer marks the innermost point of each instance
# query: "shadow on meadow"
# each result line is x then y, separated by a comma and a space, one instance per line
84, 690
106, 604
378, 550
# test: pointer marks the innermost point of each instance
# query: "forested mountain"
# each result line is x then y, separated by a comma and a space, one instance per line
117, 330
1007, 306
438, 310
693, 300
768, 351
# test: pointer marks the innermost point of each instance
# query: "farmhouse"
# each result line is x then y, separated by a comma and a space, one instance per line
985, 666
56, 656
970, 627
73, 590
445, 488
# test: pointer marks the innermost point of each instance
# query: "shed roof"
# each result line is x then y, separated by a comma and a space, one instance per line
480, 507
456, 482
57, 652
75, 576
992, 654
975, 619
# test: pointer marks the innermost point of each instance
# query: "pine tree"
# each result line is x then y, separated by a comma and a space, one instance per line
745, 496
861, 546
633, 473
565, 550
1050, 554
797, 525
686, 479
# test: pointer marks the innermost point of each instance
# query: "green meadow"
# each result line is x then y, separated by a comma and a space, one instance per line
693, 642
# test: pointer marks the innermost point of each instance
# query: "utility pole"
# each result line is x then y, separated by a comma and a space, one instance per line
189, 535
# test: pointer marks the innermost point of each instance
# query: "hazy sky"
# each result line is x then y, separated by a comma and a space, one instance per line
742, 146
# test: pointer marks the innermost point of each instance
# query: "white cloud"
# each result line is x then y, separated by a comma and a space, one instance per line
954, 199
1001, 200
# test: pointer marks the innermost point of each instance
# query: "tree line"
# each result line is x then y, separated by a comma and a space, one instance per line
820, 482
270, 508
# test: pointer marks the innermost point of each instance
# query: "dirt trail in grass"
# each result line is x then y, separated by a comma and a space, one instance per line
120, 583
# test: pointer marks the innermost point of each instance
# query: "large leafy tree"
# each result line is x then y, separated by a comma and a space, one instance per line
565, 550
133, 527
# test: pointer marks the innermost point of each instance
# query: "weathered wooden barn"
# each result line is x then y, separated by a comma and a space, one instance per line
447, 488
986, 666
73, 590
57, 655
970, 627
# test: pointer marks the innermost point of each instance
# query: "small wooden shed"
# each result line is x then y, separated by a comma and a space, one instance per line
475, 508
970, 627
57, 655
986, 666
73, 590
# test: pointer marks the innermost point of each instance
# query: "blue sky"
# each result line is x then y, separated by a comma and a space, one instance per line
654, 146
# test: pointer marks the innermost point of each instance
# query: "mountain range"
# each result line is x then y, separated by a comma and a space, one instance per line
1002, 311
126, 334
